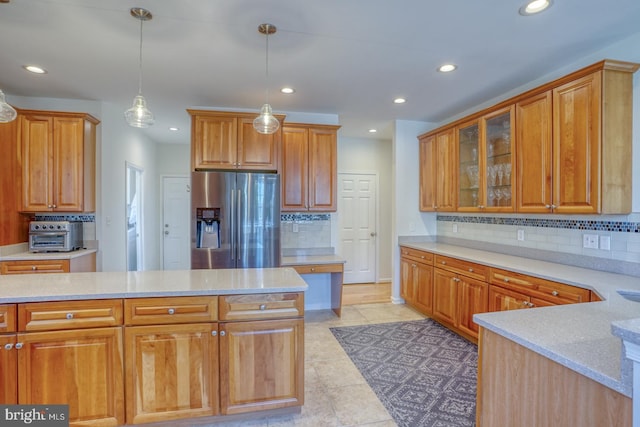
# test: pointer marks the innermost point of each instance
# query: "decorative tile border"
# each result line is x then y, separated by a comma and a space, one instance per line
63, 217
305, 217
574, 224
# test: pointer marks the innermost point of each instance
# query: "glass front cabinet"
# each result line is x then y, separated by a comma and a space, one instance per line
485, 161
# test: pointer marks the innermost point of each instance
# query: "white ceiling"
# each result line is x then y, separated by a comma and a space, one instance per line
344, 57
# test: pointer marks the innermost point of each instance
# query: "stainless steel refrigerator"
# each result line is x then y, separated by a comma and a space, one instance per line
235, 220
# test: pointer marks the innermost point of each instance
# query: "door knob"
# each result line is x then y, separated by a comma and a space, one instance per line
373, 234
166, 232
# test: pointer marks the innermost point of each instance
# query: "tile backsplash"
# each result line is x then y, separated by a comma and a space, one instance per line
305, 230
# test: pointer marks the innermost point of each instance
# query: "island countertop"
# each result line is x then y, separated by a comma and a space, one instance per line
103, 285
577, 336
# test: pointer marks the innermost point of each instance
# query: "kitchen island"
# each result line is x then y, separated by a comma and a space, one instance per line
139, 347
539, 365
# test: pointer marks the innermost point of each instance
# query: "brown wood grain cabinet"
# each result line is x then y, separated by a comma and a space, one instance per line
416, 279
58, 161
222, 140
309, 168
438, 177
85, 263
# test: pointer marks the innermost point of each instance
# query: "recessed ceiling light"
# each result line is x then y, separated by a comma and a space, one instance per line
373, 130
399, 101
174, 129
287, 90
447, 68
535, 6
34, 69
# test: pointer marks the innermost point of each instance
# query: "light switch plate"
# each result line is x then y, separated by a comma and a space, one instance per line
605, 243
520, 234
455, 228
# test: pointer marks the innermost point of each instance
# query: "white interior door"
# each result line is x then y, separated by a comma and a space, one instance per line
176, 205
357, 204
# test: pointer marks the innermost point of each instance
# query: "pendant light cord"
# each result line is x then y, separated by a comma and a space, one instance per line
140, 64
267, 62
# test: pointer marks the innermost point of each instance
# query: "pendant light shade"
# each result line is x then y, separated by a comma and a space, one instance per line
7, 112
139, 115
266, 123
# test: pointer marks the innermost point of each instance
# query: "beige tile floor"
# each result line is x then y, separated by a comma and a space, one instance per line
336, 394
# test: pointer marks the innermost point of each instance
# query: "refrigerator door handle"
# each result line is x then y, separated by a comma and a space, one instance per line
232, 220
237, 228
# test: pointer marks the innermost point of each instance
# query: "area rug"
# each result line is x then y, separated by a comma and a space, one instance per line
424, 374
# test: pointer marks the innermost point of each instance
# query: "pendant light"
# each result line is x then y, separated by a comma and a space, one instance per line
266, 123
139, 115
7, 112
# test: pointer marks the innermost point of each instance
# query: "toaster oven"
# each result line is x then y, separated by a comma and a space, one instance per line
55, 236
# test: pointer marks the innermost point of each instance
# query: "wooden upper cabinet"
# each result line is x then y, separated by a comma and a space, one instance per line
227, 141
534, 153
58, 161
309, 168
438, 172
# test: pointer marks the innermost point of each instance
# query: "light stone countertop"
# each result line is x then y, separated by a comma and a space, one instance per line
40, 256
77, 286
311, 259
578, 336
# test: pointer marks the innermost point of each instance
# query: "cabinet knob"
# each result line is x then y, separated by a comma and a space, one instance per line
531, 305
214, 333
471, 270
69, 316
555, 293
481, 206
313, 269
422, 256
263, 306
413, 265
553, 206
8, 346
547, 206
34, 268
18, 345
223, 333
506, 279
444, 262
171, 311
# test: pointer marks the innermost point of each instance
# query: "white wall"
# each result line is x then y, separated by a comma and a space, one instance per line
373, 156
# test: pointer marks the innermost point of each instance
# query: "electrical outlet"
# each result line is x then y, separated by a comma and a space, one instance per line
455, 228
295, 227
590, 241
605, 243
520, 234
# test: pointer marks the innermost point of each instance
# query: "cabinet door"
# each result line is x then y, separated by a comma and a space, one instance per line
68, 164
31, 267
323, 163
406, 280
446, 182
82, 368
8, 370
171, 372
498, 160
37, 163
576, 146
213, 142
501, 299
255, 150
445, 292
261, 365
470, 172
428, 173
533, 154
423, 285
294, 169
472, 299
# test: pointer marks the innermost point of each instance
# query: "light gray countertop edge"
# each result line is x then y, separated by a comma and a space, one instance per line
38, 256
577, 336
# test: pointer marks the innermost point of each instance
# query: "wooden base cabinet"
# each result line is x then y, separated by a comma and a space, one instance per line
8, 370
416, 279
171, 372
261, 365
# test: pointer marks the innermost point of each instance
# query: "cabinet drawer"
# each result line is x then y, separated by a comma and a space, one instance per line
465, 268
557, 293
7, 318
319, 268
45, 316
261, 306
416, 255
171, 310
30, 267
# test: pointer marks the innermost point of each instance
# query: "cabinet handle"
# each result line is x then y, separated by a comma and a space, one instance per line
8, 346
524, 304
481, 206
222, 333
34, 268
443, 262
413, 265
214, 333
18, 345
506, 279
422, 256
455, 279
553, 206
313, 269
531, 305
471, 270
69, 316
171, 311
555, 293
547, 206
263, 306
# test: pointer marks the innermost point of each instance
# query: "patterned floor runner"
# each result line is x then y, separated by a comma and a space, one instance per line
424, 374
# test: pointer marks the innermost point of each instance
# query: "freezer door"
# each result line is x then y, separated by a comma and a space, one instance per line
213, 190
258, 219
